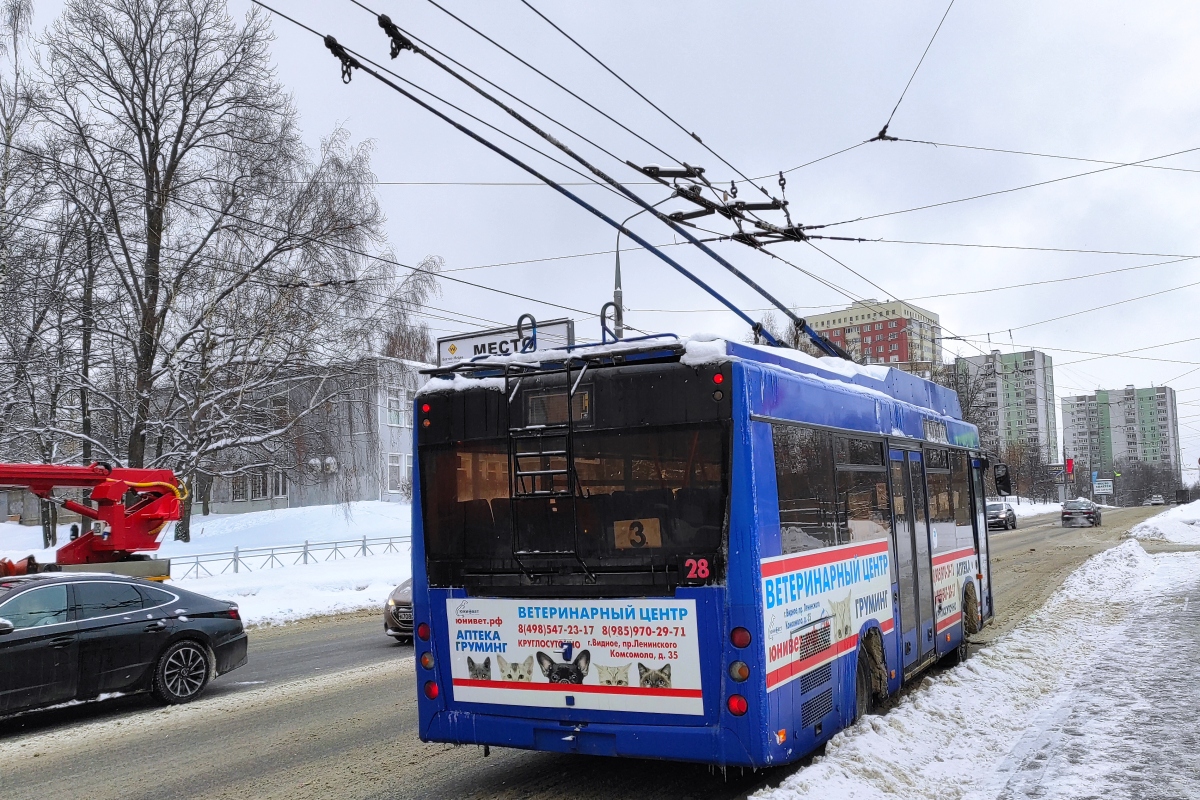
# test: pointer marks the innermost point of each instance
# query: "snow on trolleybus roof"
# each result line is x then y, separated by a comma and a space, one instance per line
905, 405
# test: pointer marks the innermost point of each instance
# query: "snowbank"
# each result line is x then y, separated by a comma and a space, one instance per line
220, 532
286, 593
977, 728
1180, 525
275, 596
1029, 508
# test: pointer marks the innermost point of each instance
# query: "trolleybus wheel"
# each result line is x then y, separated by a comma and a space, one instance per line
970, 616
864, 695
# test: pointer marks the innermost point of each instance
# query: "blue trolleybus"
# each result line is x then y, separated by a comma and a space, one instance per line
682, 549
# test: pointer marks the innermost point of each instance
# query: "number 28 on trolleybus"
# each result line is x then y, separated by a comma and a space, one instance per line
695, 550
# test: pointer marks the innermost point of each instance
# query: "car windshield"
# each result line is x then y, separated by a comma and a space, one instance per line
1078, 504
993, 506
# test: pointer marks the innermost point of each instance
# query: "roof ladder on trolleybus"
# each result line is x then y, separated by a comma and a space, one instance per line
541, 460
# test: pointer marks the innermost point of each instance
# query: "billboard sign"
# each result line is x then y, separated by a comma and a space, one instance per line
1059, 471
503, 341
1104, 487
605, 655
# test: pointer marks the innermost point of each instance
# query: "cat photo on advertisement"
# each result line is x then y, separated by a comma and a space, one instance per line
654, 678
613, 676
513, 671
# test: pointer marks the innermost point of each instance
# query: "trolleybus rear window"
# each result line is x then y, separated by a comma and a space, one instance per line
644, 496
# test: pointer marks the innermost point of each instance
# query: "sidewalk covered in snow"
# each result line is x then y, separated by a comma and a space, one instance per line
1090, 698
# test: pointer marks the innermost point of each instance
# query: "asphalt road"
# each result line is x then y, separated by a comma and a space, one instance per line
324, 709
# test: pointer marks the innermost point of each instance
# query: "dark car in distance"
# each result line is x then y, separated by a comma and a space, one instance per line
1001, 515
1080, 512
78, 636
398, 613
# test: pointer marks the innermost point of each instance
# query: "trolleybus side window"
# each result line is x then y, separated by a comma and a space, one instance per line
804, 478
863, 500
960, 499
860, 452
941, 507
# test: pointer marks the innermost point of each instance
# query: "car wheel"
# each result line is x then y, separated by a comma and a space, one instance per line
1014, 527
182, 672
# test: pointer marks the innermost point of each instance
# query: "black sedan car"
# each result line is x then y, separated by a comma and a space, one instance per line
77, 636
1080, 512
398, 613
1001, 515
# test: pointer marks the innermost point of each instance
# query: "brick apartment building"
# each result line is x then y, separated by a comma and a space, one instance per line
895, 333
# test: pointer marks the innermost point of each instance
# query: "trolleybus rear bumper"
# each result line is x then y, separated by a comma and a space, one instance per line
707, 744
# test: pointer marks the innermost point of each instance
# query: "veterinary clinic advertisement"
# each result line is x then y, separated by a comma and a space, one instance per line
951, 571
815, 603
610, 655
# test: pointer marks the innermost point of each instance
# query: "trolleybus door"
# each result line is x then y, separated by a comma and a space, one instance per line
914, 569
981, 538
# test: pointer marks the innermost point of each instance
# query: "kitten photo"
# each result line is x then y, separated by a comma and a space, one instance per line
515, 672
480, 672
565, 673
613, 676
654, 678
840, 609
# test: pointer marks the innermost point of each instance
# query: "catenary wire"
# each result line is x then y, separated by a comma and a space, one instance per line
1039, 155
341, 248
1008, 247
648, 101
1088, 310
354, 60
499, 88
675, 226
999, 191
525, 63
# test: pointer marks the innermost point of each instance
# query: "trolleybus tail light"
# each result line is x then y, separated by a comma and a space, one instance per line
423, 632
431, 690
425, 408
740, 637
427, 660
718, 379
737, 704
738, 671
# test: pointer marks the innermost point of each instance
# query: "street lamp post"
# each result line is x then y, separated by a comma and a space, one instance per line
618, 294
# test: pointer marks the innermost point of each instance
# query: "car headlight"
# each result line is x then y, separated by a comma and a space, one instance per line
391, 602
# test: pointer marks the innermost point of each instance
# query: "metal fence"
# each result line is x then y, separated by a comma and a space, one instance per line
251, 559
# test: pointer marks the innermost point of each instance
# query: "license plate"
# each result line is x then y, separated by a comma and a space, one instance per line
405, 614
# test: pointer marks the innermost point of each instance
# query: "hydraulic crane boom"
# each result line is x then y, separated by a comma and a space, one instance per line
132, 506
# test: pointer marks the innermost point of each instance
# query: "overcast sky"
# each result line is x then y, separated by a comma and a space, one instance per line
770, 86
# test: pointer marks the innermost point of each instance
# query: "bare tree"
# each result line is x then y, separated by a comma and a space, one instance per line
194, 263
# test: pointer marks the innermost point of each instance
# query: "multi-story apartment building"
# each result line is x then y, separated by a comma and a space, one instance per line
1119, 426
895, 333
1015, 394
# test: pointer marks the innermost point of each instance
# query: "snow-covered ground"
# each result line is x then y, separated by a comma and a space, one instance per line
219, 532
280, 594
275, 596
1180, 524
1090, 698
1028, 508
